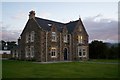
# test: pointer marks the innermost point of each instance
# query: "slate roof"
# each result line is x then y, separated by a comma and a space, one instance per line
44, 24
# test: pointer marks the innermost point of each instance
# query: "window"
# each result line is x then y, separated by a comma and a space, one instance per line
80, 38
16, 53
65, 38
26, 51
49, 24
27, 37
32, 51
53, 36
32, 36
79, 52
84, 53
53, 52
13, 54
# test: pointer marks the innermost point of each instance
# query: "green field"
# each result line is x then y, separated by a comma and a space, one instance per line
26, 69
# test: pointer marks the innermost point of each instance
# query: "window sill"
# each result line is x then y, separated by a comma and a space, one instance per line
53, 57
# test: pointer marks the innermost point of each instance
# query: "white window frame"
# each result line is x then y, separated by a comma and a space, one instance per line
54, 36
53, 52
65, 38
84, 51
31, 51
32, 36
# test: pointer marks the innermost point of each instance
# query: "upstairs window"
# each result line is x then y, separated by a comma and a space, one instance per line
53, 52
27, 37
32, 36
80, 39
65, 38
53, 36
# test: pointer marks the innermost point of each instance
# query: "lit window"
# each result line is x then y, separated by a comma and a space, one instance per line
53, 52
53, 36
32, 51
80, 38
65, 38
32, 36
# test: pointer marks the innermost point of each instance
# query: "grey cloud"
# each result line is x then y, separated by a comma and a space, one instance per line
104, 29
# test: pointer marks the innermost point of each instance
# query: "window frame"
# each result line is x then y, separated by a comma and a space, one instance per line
27, 37
26, 52
32, 53
53, 52
32, 36
65, 38
84, 52
79, 50
54, 36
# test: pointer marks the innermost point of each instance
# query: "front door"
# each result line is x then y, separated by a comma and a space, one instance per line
65, 54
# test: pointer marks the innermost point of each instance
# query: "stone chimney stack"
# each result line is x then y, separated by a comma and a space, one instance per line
32, 14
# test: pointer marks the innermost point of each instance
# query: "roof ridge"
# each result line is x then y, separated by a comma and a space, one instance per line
50, 20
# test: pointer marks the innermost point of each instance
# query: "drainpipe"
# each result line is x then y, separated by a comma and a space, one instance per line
46, 45
70, 46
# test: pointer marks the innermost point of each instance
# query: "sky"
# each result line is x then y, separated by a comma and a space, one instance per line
99, 18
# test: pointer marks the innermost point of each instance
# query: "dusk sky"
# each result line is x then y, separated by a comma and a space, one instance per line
99, 18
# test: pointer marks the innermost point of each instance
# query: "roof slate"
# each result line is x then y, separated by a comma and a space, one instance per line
44, 24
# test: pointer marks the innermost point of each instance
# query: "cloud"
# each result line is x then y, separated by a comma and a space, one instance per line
104, 29
9, 35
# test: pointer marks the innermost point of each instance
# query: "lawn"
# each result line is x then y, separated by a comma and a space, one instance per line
26, 69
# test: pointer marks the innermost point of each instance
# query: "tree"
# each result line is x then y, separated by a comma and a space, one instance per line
97, 49
9, 45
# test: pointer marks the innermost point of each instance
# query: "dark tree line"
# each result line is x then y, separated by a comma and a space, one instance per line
100, 50
7, 45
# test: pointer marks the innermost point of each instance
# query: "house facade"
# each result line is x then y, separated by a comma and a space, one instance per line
46, 40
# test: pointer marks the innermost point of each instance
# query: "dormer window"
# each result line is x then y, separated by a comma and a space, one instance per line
53, 36
80, 39
65, 38
49, 25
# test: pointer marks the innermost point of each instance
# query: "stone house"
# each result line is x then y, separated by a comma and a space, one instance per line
46, 40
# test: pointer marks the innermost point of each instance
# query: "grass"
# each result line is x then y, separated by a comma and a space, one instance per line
26, 69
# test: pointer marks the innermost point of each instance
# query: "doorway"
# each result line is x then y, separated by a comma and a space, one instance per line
65, 54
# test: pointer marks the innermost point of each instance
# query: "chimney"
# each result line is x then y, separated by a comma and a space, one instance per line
32, 14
